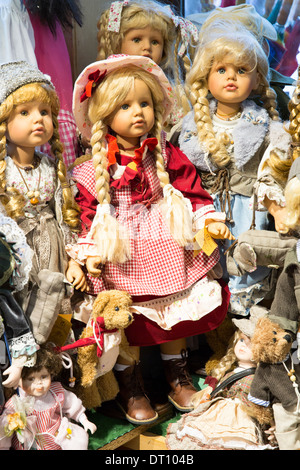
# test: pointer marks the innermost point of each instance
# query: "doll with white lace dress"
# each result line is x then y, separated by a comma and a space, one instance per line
226, 136
17, 340
38, 418
35, 189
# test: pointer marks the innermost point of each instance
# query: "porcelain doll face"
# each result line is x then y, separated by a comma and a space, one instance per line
29, 125
243, 351
147, 42
134, 117
37, 383
231, 84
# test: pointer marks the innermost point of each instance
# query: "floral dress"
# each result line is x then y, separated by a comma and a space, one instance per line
219, 424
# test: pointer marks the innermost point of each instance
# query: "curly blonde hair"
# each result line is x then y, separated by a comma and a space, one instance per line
107, 97
139, 15
12, 200
243, 49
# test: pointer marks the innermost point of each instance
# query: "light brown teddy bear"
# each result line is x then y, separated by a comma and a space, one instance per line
103, 340
274, 390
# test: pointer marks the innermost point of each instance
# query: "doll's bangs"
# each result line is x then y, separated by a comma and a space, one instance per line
114, 89
242, 55
41, 92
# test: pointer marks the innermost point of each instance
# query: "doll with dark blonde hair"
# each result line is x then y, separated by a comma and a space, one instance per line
220, 420
227, 136
142, 205
150, 29
34, 188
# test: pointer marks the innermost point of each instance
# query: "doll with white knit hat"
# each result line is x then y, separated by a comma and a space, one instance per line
140, 198
35, 190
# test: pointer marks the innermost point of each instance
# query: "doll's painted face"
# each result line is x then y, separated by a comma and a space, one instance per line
37, 383
134, 117
147, 42
30, 125
243, 351
231, 84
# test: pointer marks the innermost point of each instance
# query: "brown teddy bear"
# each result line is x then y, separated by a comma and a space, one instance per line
274, 393
100, 344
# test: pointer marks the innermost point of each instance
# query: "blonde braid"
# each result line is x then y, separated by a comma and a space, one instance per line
70, 209
268, 97
104, 43
294, 128
279, 167
100, 162
12, 200
175, 213
206, 135
229, 360
111, 239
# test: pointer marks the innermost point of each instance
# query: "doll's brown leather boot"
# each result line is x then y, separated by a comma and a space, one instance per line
180, 382
132, 398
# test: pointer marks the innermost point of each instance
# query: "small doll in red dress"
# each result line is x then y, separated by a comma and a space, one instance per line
142, 207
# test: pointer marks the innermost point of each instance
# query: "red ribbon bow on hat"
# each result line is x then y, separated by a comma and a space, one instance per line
95, 78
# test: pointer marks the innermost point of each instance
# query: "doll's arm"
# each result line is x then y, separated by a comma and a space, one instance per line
75, 276
14, 374
74, 409
279, 213
93, 265
88, 425
219, 230
15, 370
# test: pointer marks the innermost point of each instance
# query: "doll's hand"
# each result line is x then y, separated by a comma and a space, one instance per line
279, 218
14, 375
219, 230
271, 435
88, 425
76, 276
279, 214
92, 265
202, 396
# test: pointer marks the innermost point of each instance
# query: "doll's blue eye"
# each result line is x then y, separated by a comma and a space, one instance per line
221, 70
124, 107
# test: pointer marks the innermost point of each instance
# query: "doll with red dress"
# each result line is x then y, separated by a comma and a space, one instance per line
148, 226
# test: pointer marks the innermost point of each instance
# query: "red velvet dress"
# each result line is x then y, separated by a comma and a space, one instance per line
158, 267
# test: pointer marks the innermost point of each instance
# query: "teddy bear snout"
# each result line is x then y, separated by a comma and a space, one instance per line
288, 338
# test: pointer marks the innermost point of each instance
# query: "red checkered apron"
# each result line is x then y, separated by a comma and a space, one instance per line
158, 265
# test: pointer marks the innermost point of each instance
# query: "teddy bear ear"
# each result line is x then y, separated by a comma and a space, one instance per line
101, 301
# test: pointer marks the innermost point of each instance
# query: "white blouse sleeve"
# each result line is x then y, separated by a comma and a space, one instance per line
16, 33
